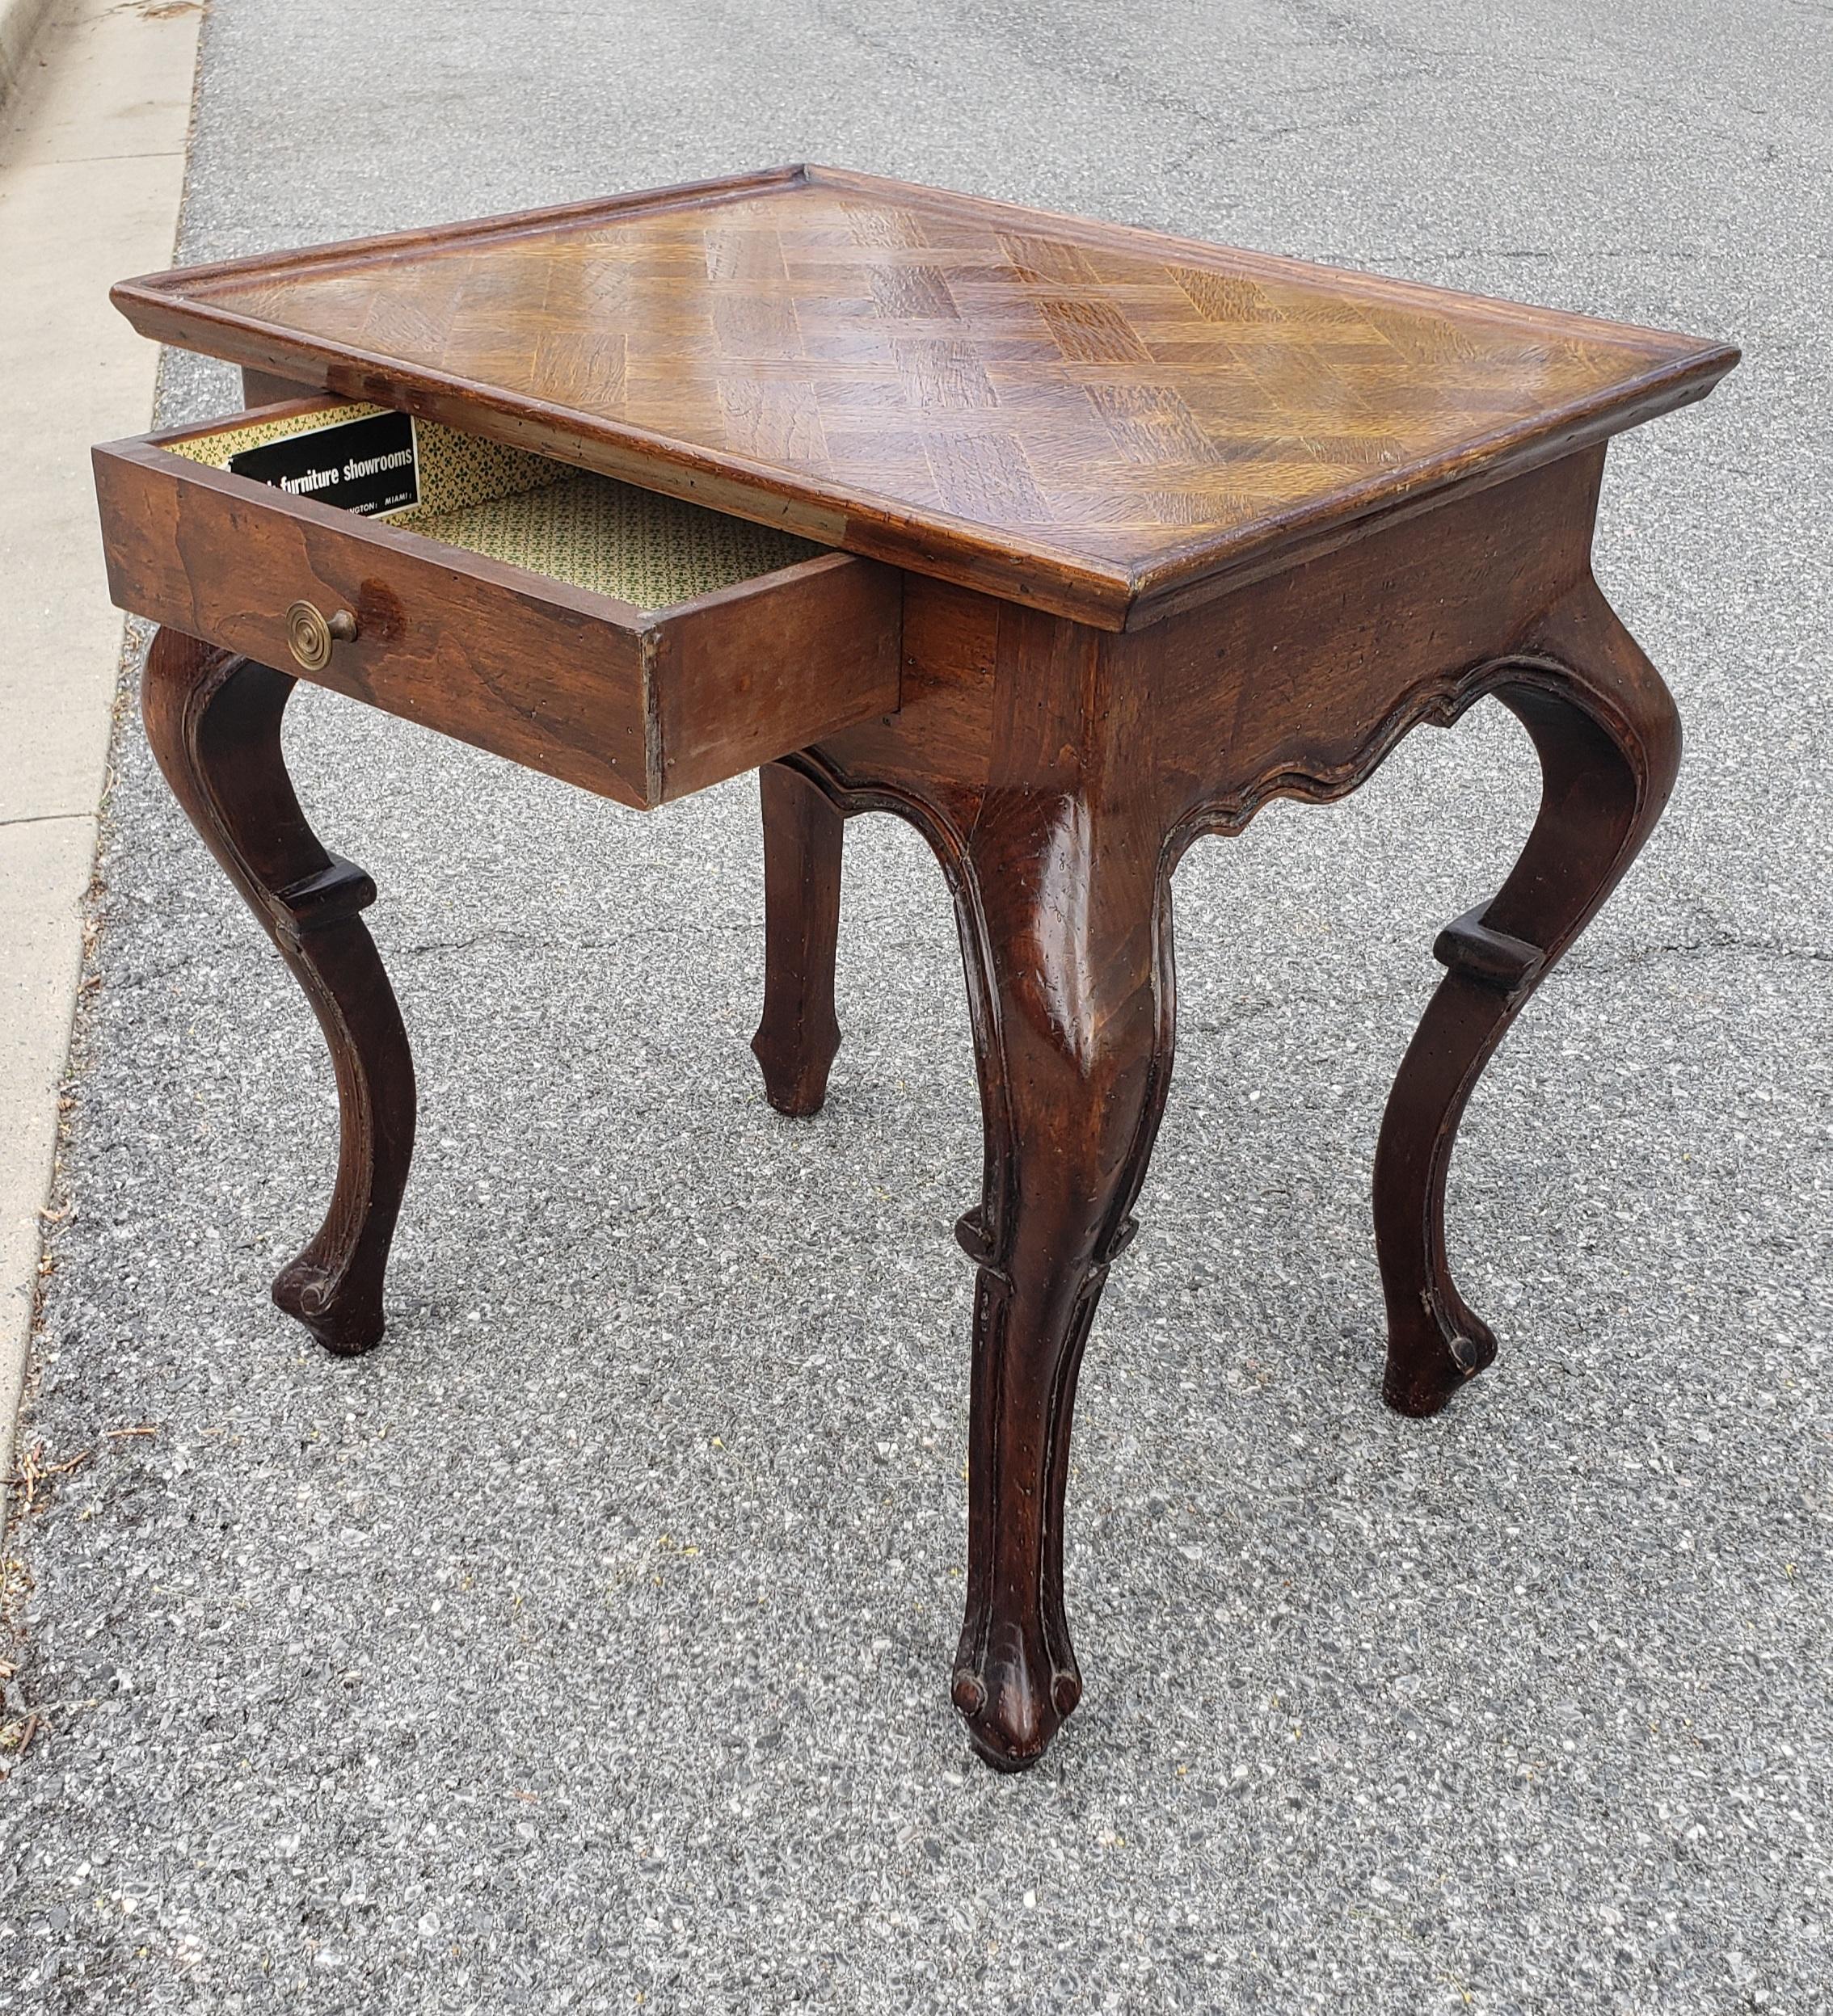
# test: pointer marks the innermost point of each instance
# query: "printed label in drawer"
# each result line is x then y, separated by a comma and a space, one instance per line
370, 465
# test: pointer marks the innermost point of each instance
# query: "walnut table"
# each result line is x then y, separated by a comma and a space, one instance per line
1068, 543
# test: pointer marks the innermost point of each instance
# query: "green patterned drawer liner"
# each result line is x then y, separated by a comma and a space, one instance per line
570, 525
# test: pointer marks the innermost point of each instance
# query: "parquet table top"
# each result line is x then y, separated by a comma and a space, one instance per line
1085, 417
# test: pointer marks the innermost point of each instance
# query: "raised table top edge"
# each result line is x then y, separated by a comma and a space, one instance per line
176, 307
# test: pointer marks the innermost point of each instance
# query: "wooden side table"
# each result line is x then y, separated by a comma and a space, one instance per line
1066, 542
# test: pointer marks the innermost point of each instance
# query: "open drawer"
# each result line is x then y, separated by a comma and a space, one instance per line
635, 644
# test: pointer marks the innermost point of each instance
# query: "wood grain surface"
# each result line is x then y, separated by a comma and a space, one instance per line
1096, 421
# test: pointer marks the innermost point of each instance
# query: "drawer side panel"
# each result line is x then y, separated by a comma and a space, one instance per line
742, 678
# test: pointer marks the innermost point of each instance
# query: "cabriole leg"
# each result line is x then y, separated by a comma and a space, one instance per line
1609, 743
1066, 934
798, 1038
214, 720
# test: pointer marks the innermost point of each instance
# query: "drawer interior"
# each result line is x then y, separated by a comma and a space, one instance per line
637, 643
608, 537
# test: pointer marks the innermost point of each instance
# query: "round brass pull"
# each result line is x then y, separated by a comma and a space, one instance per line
309, 636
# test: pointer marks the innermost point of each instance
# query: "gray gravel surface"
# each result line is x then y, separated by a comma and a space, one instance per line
587, 1647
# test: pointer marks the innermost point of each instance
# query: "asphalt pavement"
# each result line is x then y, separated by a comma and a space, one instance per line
585, 1648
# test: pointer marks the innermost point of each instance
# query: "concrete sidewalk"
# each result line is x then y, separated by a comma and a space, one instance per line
20, 21
585, 1648
92, 148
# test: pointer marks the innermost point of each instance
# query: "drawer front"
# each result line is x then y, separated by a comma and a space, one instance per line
640, 705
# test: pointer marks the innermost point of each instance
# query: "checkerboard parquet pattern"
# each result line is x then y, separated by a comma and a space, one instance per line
1115, 402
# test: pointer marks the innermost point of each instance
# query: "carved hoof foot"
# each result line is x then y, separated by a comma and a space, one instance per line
795, 1077
1009, 1714
345, 1323
1424, 1372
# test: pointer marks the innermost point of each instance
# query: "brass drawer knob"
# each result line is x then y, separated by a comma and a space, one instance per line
310, 635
